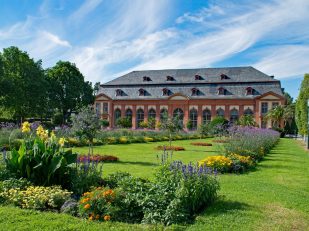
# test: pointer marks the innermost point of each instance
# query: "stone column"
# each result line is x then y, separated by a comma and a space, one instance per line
241, 110
213, 112
157, 114
227, 112
199, 115
186, 116
123, 111
134, 116
111, 115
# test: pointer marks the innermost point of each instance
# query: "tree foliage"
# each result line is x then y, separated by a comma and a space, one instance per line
23, 86
68, 90
302, 106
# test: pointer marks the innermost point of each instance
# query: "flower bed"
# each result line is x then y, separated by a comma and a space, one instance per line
176, 195
98, 158
174, 148
201, 144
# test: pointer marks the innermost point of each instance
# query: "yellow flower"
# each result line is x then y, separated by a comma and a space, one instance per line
25, 127
87, 206
62, 141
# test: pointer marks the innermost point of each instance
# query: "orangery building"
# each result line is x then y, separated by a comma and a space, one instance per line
198, 95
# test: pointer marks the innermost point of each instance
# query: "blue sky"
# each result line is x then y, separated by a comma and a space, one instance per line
109, 38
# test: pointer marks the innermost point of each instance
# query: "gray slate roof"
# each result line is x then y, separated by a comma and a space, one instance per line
239, 79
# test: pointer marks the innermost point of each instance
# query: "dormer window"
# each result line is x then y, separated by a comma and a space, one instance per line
224, 76
141, 92
169, 78
165, 91
146, 79
194, 91
249, 90
198, 77
118, 92
221, 91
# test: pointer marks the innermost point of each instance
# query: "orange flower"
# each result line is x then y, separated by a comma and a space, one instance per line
86, 193
85, 200
97, 217
87, 206
108, 193
90, 218
107, 217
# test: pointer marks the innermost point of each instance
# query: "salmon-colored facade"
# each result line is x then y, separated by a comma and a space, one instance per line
197, 109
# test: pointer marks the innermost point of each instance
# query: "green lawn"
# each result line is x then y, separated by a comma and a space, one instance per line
141, 159
273, 197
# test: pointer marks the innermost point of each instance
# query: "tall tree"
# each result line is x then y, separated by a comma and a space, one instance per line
302, 106
22, 83
68, 91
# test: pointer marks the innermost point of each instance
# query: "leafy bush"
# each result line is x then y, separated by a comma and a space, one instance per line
250, 141
37, 197
87, 174
219, 163
99, 204
104, 123
124, 122
241, 163
123, 140
217, 126
151, 123
143, 124
178, 193
40, 162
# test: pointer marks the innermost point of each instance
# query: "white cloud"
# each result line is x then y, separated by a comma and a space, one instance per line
87, 7
285, 61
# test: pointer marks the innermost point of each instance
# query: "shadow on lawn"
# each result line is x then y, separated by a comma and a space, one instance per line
225, 206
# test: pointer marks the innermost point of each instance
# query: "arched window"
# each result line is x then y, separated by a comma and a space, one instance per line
117, 115
206, 116
129, 113
146, 79
139, 117
220, 112
152, 113
234, 115
193, 118
178, 113
163, 114
198, 77
118, 92
248, 111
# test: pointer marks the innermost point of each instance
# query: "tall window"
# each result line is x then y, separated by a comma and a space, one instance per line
234, 115
206, 116
117, 115
178, 113
220, 112
139, 117
98, 108
152, 113
105, 108
264, 108
129, 113
163, 114
193, 118
248, 111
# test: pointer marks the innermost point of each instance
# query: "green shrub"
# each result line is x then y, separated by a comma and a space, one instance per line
104, 123
37, 197
124, 122
40, 162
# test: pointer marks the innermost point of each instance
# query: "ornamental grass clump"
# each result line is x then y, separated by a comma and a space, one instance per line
250, 141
